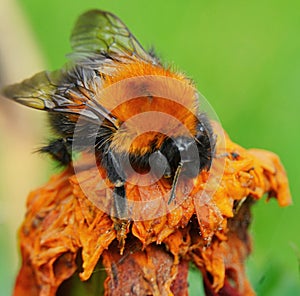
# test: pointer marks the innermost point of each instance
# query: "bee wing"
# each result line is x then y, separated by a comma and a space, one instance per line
54, 92
35, 92
99, 40
101, 32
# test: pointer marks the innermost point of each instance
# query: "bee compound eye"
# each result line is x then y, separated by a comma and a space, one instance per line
159, 165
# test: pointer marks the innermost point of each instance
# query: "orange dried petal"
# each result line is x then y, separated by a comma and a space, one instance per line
209, 226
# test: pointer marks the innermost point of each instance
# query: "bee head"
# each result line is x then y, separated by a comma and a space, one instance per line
183, 156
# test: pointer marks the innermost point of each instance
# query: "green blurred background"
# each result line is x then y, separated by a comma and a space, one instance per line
245, 58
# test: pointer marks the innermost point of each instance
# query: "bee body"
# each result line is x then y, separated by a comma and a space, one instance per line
117, 101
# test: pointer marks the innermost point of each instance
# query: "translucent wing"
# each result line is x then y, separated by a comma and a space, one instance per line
66, 91
99, 40
35, 92
102, 32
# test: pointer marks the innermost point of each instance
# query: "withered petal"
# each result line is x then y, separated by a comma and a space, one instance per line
208, 227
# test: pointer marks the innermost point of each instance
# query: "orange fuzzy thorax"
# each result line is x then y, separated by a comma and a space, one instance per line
150, 102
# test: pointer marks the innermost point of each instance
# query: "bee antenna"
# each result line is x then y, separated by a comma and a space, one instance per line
175, 181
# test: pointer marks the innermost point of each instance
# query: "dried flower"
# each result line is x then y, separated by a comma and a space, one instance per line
65, 233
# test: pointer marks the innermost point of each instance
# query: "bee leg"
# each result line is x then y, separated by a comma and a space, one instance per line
116, 175
120, 204
120, 214
119, 211
59, 150
122, 228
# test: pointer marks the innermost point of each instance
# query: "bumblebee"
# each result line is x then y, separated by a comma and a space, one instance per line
108, 82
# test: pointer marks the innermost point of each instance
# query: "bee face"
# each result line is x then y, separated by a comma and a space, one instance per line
118, 101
